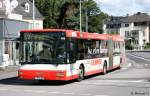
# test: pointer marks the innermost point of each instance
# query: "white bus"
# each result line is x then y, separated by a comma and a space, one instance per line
58, 54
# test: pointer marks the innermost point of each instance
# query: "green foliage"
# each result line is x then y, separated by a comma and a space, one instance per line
147, 46
129, 46
65, 14
96, 22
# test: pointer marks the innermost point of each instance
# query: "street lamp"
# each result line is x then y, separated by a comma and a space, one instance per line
80, 18
33, 15
86, 18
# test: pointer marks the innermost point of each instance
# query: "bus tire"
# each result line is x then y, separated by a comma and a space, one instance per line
105, 68
80, 73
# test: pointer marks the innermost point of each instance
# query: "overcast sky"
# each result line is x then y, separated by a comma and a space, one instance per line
124, 7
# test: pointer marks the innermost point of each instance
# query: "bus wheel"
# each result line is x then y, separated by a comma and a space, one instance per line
105, 68
80, 73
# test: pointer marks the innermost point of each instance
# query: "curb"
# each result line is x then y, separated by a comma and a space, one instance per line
8, 70
8, 75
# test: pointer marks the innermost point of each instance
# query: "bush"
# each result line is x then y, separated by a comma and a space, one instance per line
129, 46
147, 46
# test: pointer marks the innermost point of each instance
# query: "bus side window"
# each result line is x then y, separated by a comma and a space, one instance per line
96, 48
104, 48
72, 47
80, 50
89, 49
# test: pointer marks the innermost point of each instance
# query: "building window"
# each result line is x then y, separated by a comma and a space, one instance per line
27, 7
135, 33
140, 23
127, 34
126, 25
1, 5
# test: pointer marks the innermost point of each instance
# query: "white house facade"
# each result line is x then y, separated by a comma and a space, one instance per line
135, 29
21, 10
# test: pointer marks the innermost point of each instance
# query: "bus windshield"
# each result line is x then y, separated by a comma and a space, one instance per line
43, 48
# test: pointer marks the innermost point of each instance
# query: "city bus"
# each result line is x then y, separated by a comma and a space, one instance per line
59, 54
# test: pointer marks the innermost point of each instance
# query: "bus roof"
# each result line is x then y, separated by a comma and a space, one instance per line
78, 34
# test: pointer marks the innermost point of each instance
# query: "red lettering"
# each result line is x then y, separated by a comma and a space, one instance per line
96, 62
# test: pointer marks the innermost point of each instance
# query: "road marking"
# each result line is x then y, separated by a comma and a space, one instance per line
55, 92
139, 57
101, 95
85, 94
28, 91
69, 93
40, 91
3, 89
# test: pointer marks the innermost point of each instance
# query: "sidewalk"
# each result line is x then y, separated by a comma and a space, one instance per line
10, 71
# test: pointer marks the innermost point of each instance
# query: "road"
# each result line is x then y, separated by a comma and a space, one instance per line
131, 80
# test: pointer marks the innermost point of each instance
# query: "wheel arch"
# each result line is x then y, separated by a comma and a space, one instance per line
82, 67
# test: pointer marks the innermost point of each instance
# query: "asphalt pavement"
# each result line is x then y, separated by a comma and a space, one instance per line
131, 80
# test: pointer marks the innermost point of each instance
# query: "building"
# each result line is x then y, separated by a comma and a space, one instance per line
135, 29
15, 15
21, 10
9, 33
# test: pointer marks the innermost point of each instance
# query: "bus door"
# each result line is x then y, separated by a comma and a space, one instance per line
116, 53
72, 50
110, 53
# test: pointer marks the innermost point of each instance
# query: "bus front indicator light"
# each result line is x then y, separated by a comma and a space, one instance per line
20, 73
60, 74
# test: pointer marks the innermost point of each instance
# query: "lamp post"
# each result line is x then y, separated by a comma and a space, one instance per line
33, 15
86, 18
80, 18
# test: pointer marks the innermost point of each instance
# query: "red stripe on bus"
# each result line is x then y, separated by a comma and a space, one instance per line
45, 74
77, 34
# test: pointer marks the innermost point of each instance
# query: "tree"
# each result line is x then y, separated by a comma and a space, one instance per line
65, 14
68, 17
95, 17
50, 9
96, 22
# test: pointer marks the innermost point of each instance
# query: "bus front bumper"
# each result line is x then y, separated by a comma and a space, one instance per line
42, 75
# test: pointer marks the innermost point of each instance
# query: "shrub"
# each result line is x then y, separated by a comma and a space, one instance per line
129, 46
147, 46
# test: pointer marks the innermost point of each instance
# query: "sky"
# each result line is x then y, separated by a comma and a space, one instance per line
124, 7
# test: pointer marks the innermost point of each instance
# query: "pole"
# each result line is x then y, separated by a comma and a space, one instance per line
33, 25
80, 18
86, 17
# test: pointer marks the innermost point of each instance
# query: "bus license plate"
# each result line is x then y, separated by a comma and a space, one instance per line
39, 78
